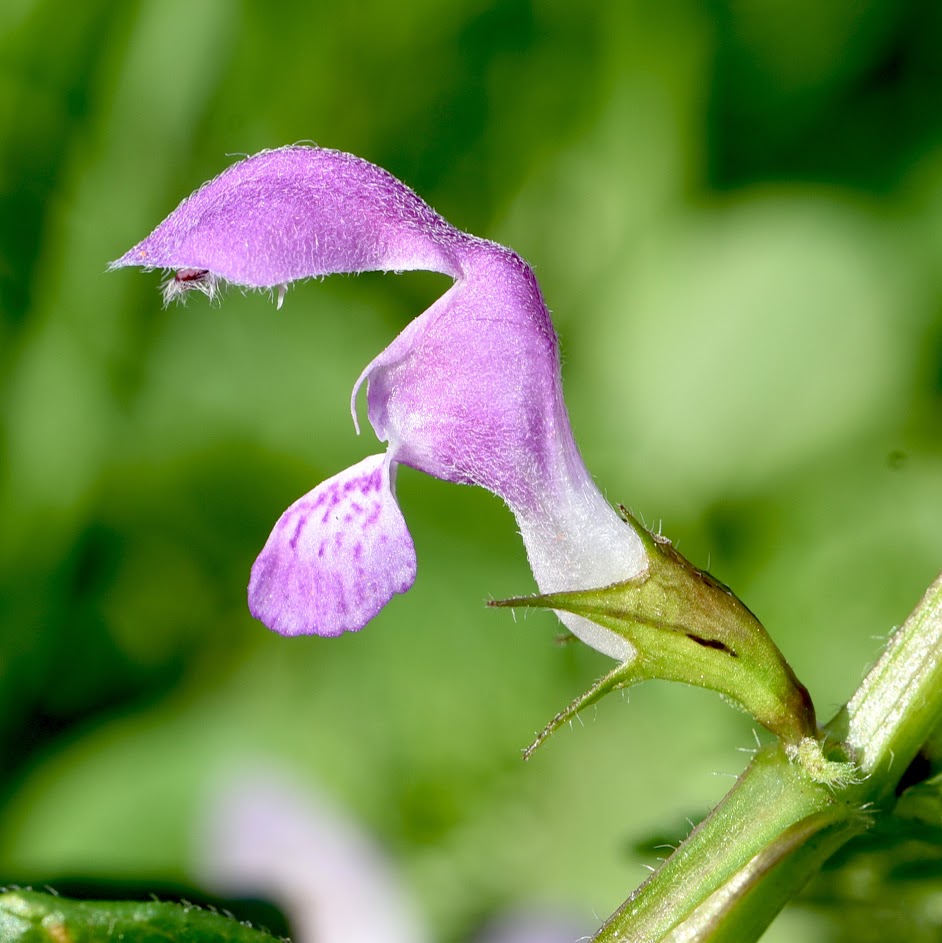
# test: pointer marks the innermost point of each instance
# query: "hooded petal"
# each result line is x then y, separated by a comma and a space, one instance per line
296, 212
335, 557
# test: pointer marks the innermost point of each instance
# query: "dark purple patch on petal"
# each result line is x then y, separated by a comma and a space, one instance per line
190, 274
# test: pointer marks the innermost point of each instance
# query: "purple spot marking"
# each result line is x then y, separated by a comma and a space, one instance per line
373, 516
321, 549
372, 482
293, 543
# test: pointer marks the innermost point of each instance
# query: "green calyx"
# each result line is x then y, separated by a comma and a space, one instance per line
687, 626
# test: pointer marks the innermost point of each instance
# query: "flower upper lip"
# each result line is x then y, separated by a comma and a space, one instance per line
469, 392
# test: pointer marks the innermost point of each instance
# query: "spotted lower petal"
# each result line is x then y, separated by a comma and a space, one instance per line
336, 556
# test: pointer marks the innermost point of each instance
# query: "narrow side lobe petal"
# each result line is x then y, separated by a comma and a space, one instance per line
335, 557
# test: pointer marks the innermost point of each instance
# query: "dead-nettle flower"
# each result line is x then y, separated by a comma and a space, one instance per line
469, 392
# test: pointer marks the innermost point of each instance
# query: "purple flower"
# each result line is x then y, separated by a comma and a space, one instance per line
469, 392
267, 835
263, 834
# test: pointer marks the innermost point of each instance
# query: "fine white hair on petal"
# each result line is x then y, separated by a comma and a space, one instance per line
187, 280
577, 541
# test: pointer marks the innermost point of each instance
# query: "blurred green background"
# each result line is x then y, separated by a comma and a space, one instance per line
735, 211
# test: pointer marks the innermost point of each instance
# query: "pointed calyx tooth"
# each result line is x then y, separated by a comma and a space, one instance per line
688, 626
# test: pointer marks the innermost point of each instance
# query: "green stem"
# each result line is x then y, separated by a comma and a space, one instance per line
739, 910
779, 823
773, 801
898, 704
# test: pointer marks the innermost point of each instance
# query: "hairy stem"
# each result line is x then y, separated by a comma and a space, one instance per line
781, 821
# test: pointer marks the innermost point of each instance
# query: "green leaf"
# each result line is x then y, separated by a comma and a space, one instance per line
33, 917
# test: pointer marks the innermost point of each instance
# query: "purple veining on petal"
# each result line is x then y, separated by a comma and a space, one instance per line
320, 573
